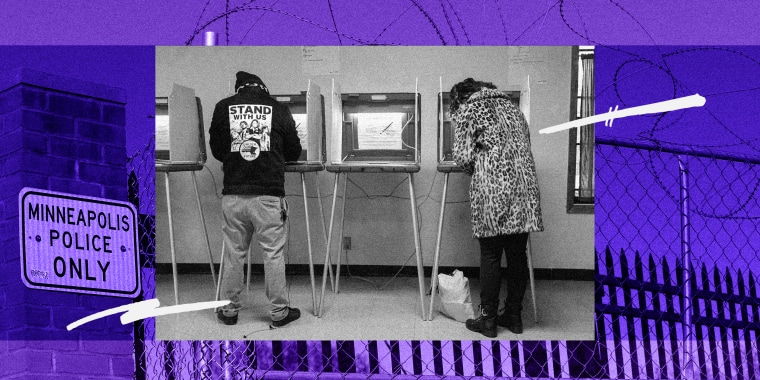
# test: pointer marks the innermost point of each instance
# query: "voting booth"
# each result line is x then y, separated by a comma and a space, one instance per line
519, 95
181, 147
180, 138
373, 133
307, 109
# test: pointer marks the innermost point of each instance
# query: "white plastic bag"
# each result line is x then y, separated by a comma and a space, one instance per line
454, 293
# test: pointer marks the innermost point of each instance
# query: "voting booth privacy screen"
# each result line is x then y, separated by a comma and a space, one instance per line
307, 109
179, 127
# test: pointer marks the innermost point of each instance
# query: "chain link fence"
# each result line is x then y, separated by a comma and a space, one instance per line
665, 217
141, 167
677, 252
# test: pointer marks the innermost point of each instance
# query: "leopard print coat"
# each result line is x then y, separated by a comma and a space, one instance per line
492, 144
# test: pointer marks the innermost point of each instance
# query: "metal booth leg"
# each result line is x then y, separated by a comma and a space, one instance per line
327, 248
340, 241
434, 274
417, 245
205, 231
220, 278
171, 240
308, 239
532, 281
221, 274
324, 230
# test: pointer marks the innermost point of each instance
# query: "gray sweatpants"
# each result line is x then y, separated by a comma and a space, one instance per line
262, 216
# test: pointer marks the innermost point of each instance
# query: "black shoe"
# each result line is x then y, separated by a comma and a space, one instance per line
293, 314
484, 324
512, 320
227, 316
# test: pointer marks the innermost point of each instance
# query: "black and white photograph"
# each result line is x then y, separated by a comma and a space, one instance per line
375, 193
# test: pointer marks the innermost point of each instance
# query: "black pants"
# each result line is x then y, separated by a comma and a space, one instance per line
491, 249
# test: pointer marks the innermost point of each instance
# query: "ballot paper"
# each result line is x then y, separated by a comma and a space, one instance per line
162, 132
301, 128
380, 130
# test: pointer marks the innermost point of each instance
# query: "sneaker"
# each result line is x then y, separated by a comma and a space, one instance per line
484, 324
227, 316
293, 314
512, 320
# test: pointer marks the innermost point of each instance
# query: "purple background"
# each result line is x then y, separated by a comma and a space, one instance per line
727, 76
404, 22
128, 67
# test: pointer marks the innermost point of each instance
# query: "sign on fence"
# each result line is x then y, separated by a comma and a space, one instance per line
78, 244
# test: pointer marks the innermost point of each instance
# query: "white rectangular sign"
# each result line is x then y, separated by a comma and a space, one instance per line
78, 244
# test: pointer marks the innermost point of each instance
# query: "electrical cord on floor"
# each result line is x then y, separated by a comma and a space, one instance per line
348, 269
374, 284
397, 273
270, 327
348, 266
419, 216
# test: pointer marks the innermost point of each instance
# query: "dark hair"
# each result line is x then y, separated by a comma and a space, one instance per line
462, 91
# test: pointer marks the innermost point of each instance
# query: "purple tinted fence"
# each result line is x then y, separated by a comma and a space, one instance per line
639, 319
141, 169
668, 215
253, 359
635, 302
727, 324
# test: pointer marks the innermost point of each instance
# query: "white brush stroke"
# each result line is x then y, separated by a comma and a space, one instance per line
695, 100
146, 309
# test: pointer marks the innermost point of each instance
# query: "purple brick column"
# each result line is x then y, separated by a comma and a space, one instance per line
65, 135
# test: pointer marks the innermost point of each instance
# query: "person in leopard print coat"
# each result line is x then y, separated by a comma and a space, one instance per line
492, 145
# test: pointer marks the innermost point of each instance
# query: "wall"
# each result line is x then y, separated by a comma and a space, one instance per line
131, 68
67, 135
378, 226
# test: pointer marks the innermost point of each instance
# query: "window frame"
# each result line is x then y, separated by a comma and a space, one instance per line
574, 204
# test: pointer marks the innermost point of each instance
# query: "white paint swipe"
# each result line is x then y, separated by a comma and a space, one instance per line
695, 100
146, 309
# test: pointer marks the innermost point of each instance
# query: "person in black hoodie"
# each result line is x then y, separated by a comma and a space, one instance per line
253, 135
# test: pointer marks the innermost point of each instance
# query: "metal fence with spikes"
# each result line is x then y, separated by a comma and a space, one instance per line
644, 304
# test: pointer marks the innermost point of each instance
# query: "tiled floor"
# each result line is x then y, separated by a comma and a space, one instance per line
360, 312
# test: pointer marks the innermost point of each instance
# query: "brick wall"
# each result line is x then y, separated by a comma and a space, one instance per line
66, 135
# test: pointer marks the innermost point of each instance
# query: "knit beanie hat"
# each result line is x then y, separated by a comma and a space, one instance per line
248, 79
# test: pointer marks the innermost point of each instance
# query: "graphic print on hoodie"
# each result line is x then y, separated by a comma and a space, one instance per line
250, 127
